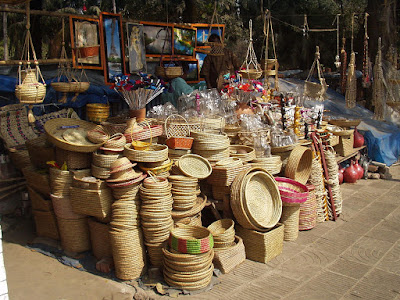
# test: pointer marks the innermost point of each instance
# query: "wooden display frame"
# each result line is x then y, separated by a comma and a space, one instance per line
202, 33
82, 56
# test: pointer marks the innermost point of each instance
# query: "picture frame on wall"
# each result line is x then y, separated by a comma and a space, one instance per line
200, 56
202, 33
86, 43
136, 47
184, 41
113, 41
157, 38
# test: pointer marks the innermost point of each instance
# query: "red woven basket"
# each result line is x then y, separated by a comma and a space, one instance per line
291, 191
180, 143
178, 138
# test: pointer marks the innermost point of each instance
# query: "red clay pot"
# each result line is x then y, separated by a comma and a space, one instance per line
358, 139
359, 169
350, 175
340, 175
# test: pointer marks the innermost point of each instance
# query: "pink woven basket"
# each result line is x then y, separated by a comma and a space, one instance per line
291, 191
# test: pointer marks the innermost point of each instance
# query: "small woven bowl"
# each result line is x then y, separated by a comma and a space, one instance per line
191, 239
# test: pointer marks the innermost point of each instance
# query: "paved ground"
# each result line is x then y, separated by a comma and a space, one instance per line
357, 257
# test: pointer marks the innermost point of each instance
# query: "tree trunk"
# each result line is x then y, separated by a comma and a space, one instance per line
190, 14
36, 29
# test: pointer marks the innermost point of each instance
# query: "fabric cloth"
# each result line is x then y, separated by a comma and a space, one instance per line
215, 66
178, 86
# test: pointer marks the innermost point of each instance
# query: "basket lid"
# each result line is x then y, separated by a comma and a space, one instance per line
194, 165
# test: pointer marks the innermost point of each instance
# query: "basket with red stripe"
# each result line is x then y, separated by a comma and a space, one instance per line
191, 239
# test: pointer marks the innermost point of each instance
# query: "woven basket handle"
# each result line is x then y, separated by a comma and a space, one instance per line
151, 135
166, 126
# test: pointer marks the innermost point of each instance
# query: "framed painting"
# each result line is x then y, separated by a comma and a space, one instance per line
113, 41
203, 32
136, 48
184, 41
200, 56
157, 38
86, 43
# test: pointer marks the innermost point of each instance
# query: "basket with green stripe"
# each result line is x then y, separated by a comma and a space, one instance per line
191, 239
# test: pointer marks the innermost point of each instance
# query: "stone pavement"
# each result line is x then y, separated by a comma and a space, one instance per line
356, 257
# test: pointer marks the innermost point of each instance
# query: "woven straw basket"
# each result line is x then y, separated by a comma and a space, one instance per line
46, 224
38, 202
74, 160
262, 246
63, 209
299, 163
60, 181
228, 259
308, 210
96, 203
345, 146
156, 153
100, 239
290, 218
30, 91
97, 112
40, 152
74, 234
37, 180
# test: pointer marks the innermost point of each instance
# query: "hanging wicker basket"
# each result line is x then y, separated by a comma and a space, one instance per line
30, 91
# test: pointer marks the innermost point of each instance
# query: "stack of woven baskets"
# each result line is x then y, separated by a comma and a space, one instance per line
125, 229
74, 230
222, 176
229, 249
308, 210
272, 164
101, 164
257, 206
244, 153
293, 194
184, 191
211, 146
155, 214
188, 259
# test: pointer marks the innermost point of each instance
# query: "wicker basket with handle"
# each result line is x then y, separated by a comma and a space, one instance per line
178, 139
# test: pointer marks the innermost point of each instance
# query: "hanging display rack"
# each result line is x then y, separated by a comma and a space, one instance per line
250, 68
271, 64
216, 48
29, 90
73, 84
316, 90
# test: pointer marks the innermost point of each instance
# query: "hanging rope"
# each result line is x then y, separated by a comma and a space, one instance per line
343, 69
378, 85
250, 68
273, 70
366, 78
315, 90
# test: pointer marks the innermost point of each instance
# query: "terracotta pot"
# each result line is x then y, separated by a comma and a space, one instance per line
139, 114
359, 169
350, 175
340, 175
358, 139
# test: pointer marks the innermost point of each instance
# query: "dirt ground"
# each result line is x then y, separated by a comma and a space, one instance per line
357, 257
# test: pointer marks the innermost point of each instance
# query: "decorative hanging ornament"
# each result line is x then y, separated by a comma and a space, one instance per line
343, 69
378, 85
351, 87
29, 90
315, 90
337, 57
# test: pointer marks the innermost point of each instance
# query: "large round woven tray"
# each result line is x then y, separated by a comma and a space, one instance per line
260, 196
345, 122
238, 206
54, 129
299, 163
70, 87
194, 166
283, 148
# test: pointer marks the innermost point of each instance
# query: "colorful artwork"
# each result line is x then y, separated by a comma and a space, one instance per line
157, 40
85, 43
137, 52
200, 57
202, 33
113, 45
184, 41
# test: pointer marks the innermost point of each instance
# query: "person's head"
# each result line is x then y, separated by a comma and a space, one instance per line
214, 38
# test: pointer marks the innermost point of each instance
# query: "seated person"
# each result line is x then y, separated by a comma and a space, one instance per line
176, 88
